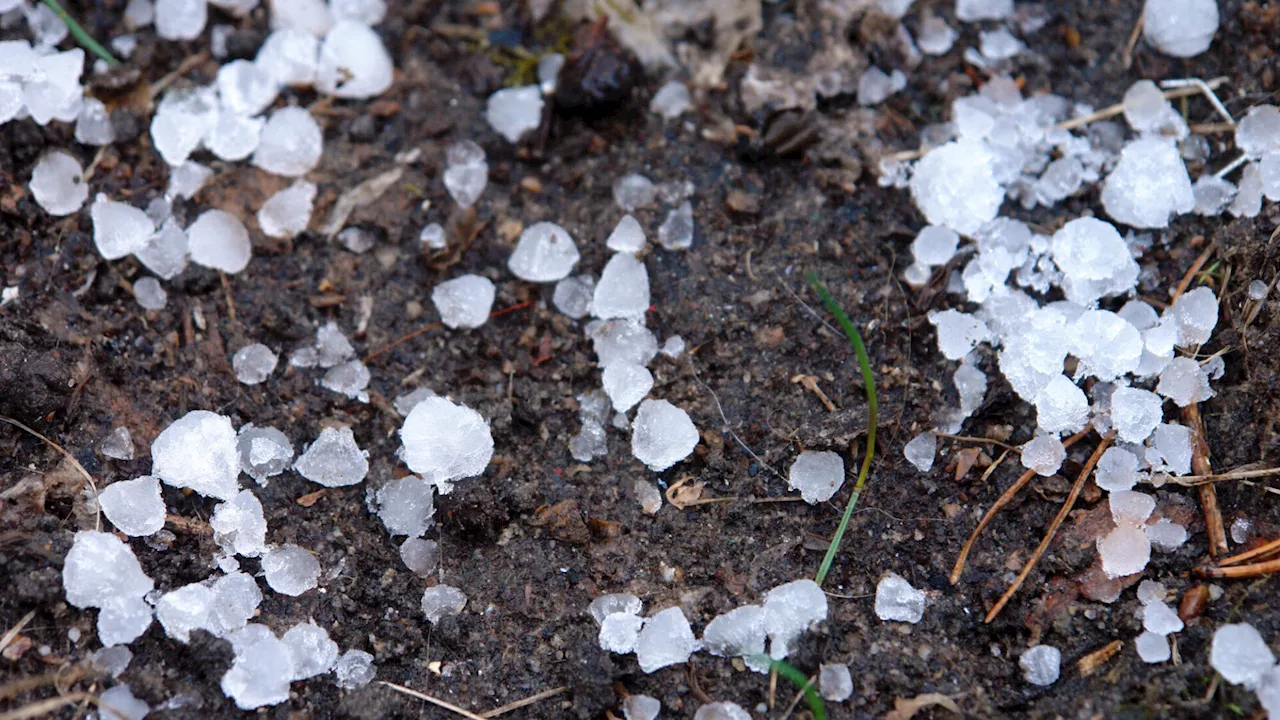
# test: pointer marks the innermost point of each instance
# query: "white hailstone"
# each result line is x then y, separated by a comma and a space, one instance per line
1159, 618
198, 451
218, 240
648, 495
118, 444
149, 294
122, 703
640, 707
875, 85
1269, 175
958, 332
626, 385
1061, 406
721, 711
627, 236
332, 347
290, 143
676, 232
354, 670
288, 212
353, 62
57, 184
671, 101
1241, 529
118, 228
407, 505
514, 112
432, 236
365, 12
662, 435
835, 683
789, 610
1149, 184
634, 191
1213, 195
357, 239
817, 475
244, 88
1166, 535
1240, 655
185, 180
623, 290
1181, 28
1129, 507
1148, 111
1126, 550
666, 639
100, 567
1248, 200
1258, 132
1094, 260
1135, 413
261, 671
544, 253
1044, 454
1268, 692
239, 526
310, 16
334, 459
404, 404
549, 66
1041, 665
1196, 312
975, 10
935, 245
606, 605
1106, 345
112, 659
349, 378
921, 450
954, 185
673, 347
134, 506
897, 601
619, 632
1117, 470
440, 601
264, 452
737, 633
52, 90
235, 600
1152, 647
184, 610
466, 172
624, 340
289, 56
935, 36
182, 120
422, 557
1184, 382
180, 19
1170, 449
93, 125
290, 570
444, 441
310, 649
573, 295
1060, 180
464, 302
254, 363
123, 619
971, 386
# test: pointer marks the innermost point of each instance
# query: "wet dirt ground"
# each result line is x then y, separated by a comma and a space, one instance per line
539, 535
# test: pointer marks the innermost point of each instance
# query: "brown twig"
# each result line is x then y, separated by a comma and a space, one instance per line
1208, 492
1090, 663
1261, 551
539, 697
799, 696
434, 701
1053, 526
97, 513
46, 707
13, 631
1005, 498
979, 440
1190, 274
1127, 59
1240, 571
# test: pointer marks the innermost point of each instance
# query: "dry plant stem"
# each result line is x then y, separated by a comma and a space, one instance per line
1190, 274
1208, 493
1194, 480
795, 701
13, 631
1240, 571
97, 515
538, 697
1259, 552
1127, 59
1004, 499
44, 708
1118, 109
1053, 526
434, 701
1090, 663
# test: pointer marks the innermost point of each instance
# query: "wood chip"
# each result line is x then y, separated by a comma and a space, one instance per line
310, 498
1090, 663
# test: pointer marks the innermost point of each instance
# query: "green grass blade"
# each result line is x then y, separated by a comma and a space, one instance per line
81, 35
800, 680
868, 379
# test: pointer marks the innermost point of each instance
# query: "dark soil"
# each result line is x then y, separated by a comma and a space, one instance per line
78, 357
